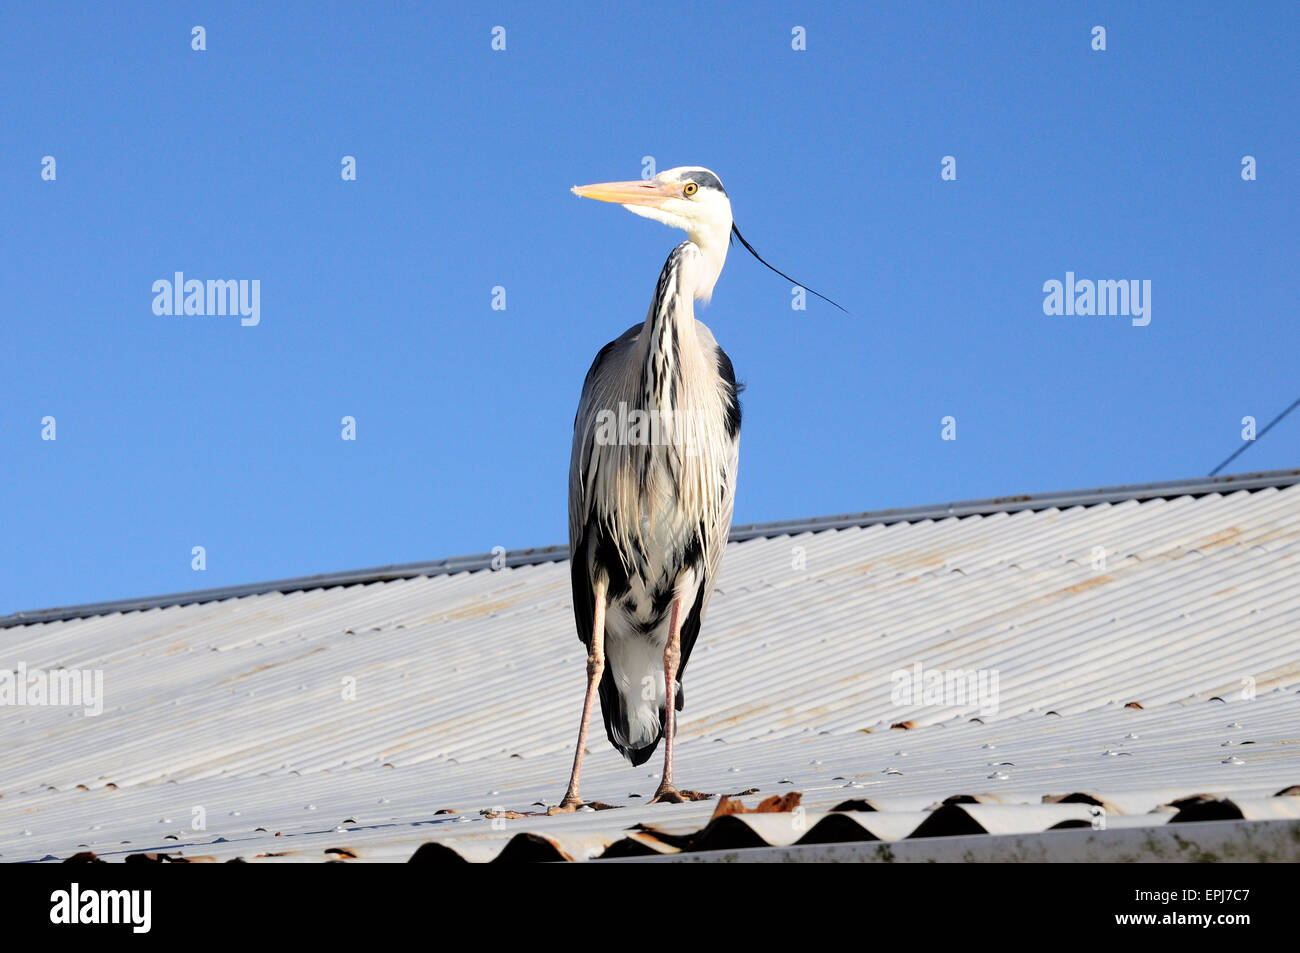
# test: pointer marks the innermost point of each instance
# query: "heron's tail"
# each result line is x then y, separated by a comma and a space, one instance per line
633, 721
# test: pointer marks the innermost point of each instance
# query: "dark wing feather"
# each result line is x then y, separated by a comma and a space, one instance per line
590, 549
690, 630
582, 526
584, 598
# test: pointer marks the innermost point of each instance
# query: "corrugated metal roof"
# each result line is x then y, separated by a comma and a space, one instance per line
543, 554
468, 688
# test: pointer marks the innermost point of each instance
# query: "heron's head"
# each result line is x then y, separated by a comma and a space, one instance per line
689, 197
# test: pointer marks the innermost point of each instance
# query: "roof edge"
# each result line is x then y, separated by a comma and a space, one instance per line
1197, 486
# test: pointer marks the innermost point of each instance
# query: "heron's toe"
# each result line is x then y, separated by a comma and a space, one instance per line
567, 806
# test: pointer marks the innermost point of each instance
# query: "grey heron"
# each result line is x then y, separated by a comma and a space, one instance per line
652, 479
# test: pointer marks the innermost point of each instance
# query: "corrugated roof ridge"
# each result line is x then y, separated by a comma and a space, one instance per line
1196, 486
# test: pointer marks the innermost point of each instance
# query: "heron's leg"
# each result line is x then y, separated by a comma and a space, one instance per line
595, 668
672, 657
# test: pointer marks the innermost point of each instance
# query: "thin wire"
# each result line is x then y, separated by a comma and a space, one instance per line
735, 231
1259, 436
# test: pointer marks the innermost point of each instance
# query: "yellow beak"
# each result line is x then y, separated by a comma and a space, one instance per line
646, 192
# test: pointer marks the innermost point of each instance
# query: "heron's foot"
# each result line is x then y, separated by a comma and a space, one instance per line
570, 804
667, 794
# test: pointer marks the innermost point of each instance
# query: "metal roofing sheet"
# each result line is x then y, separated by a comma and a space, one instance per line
468, 687
527, 557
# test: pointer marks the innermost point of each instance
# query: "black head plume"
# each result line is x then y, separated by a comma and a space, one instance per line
750, 248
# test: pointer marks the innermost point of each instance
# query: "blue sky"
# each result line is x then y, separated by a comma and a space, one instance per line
182, 431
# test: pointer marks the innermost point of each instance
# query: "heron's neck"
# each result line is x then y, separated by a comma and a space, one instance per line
712, 241
670, 325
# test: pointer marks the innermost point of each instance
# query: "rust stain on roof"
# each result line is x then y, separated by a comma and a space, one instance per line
729, 718
477, 610
1084, 586
270, 665
1217, 540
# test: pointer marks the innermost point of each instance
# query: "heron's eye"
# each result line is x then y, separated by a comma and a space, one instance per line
690, 189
